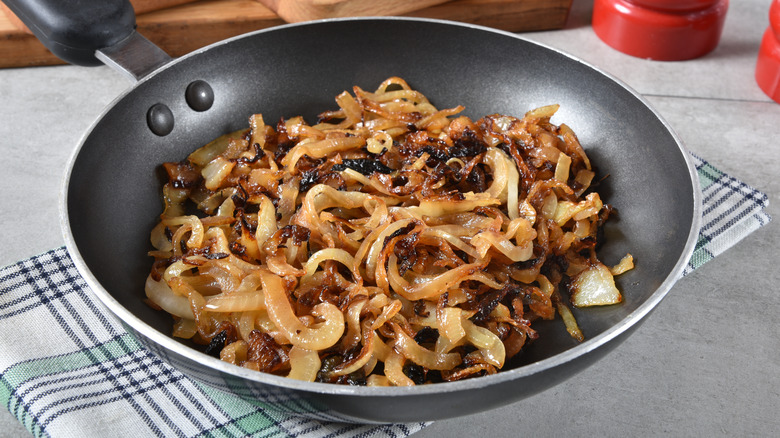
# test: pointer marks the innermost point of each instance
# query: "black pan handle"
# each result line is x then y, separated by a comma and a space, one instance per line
74, 30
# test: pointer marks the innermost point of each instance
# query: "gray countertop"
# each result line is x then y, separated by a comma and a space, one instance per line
705, 363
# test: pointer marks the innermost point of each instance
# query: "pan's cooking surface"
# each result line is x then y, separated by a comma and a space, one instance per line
112, 200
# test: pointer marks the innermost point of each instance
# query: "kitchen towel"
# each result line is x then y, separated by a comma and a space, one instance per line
68, 368
731, 210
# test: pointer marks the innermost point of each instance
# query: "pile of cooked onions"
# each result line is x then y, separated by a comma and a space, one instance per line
391, 243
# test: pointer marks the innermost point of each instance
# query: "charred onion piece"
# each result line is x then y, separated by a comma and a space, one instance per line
365, 166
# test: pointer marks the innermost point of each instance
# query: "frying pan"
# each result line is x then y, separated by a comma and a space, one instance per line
111, 194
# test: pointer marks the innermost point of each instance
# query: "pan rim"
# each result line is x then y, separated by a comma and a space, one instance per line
168, 343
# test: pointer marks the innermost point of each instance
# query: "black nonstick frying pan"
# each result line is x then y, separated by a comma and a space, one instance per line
111, 198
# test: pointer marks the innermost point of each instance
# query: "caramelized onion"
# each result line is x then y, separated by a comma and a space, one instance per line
390, 243
162, 295
304, 364
317, 337
422, 356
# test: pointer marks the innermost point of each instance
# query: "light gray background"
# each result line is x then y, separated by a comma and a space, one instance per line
706, 363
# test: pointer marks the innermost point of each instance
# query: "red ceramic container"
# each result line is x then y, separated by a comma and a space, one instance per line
664, 30
768, 64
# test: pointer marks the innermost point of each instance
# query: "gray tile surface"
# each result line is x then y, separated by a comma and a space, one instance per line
704, 364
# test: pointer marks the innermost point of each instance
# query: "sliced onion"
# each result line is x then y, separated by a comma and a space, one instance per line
216, 172
287, 199
388, 312
235, 352
562, 168
353, 175
320, 256
570, 322
185, 328
379, 242
625, 264
489, 344
595, 286
158, 238
589, 207
505, 180
432, 286
422, 356
266, 221
246, 323
207, 153
358, 362
394, 372
543, 112
378, 380
161, 294
237, 302
457, 242
317, 337
257, 124
353, 335
381, 350
485, 240
436, 207
187, 223
304, 364
450, 324
318, 149
573, 143
583, 179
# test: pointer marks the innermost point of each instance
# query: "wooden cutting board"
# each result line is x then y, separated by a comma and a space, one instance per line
191, 25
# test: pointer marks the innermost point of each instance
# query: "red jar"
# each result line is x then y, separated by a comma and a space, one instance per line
664, 30
768, 64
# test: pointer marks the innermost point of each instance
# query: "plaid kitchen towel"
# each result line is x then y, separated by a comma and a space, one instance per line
69, 369
731, 210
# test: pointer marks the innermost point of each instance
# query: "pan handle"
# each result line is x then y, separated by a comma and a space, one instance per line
91, 33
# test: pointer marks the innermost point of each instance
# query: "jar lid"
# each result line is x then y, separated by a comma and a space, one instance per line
651, 29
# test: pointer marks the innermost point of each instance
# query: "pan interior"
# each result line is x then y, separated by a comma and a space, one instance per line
113, 196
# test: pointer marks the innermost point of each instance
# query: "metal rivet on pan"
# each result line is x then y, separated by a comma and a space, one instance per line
199, 95
160, 119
